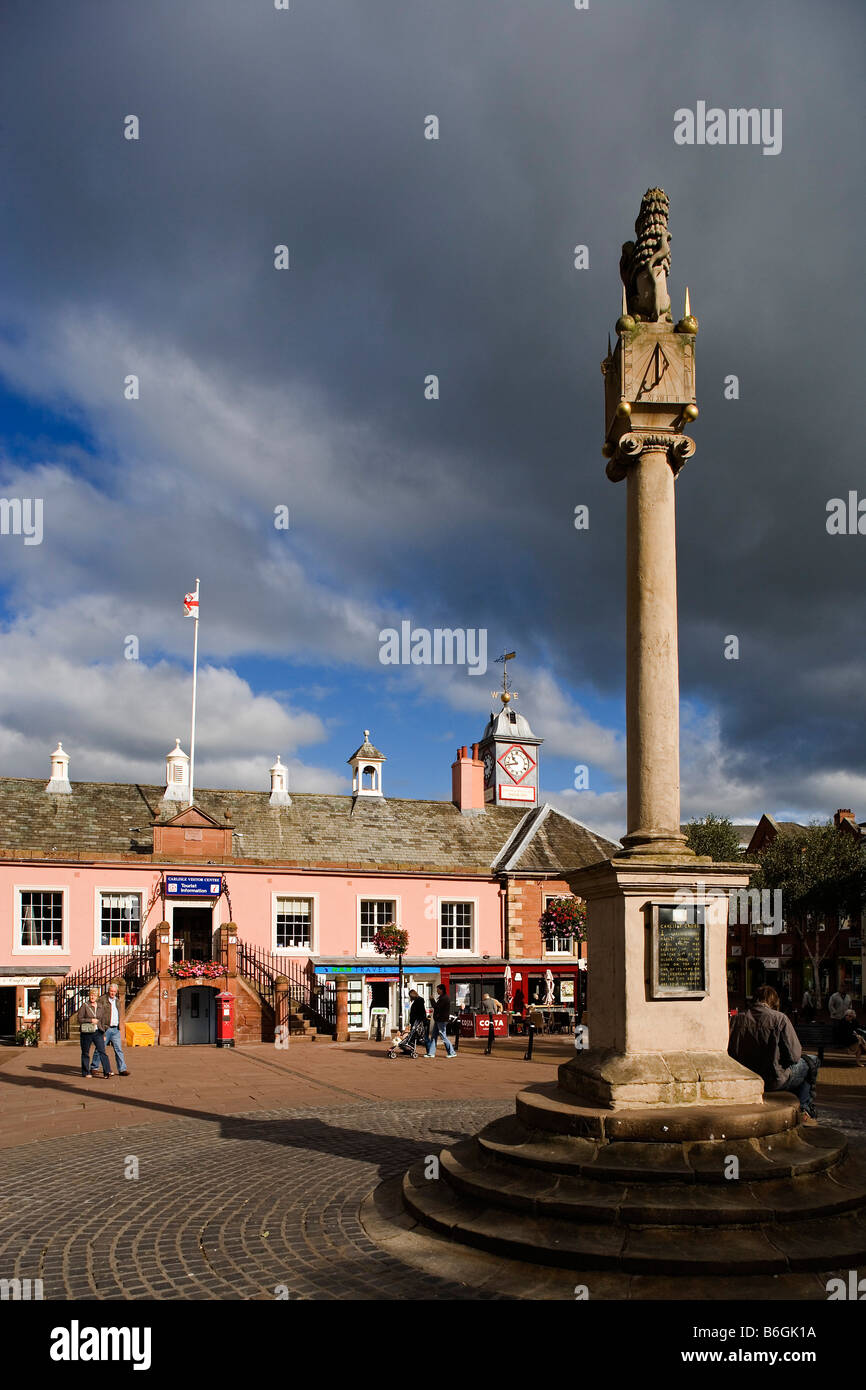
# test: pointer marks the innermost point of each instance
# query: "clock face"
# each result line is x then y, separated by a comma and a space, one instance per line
516, 762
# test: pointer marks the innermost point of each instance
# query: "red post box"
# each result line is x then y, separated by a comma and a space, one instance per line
225, 1020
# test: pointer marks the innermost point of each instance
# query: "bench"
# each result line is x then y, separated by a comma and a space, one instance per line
814, 1037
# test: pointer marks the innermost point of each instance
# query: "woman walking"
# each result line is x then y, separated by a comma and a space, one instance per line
92, 1034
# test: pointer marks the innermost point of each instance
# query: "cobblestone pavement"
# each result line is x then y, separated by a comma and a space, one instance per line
252, 1168
227, 1208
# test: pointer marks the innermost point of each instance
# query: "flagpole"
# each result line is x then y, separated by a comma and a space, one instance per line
194, 684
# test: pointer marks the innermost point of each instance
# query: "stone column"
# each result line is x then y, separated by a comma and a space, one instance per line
228, 947
282, 1013
652, 670
47, 1012
342, 1030
163, 947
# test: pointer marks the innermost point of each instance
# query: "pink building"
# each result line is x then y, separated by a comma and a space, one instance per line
89, 872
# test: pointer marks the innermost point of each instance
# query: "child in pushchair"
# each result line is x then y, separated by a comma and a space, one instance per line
412, 1039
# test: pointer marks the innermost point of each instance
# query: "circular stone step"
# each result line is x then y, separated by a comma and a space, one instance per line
791, 1153
550, 1108
773, 1247
475, 1173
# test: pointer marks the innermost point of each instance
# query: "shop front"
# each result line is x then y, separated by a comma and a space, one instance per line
534, 985
375, 987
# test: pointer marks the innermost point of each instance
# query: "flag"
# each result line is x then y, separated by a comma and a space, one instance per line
190, 605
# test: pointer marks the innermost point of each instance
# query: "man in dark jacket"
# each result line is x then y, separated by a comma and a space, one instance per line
441, 1015
763, 1039
110, 1016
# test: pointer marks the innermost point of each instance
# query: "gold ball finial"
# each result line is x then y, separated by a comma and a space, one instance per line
690, 412
623, 410
505, 697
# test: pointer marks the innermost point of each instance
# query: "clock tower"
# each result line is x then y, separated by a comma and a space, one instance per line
509, 751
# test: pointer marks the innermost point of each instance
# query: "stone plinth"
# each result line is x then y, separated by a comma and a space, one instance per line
647, 1051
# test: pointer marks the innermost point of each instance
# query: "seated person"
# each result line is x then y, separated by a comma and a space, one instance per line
851, 1037
763, 1039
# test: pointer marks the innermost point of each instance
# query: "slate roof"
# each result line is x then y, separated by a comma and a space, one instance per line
99, 820
547, 837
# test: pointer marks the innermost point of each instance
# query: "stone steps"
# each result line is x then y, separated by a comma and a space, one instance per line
472, 1172
684, 1249
792, 1153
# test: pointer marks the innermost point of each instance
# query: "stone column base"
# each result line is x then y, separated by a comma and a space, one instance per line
622, 1080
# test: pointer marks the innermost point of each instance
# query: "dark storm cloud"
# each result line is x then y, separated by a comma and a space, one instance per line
455, 257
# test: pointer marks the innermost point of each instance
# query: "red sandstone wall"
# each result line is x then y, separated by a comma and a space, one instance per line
525, 906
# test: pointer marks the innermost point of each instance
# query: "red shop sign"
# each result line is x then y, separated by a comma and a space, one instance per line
500, 1025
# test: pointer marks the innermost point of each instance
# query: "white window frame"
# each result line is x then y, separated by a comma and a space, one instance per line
295, 951
20, 950
98, 948
394, 898
457, 954
547, 898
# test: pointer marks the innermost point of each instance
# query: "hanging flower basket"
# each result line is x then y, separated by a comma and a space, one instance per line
564, 917
391, 940
196, 970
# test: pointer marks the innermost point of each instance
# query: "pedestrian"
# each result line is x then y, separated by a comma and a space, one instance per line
489, 1005
418, 1016
92, 1034
441, 1015
838, 1005
519, 1004
111, 1022
763, 1040
808, 1006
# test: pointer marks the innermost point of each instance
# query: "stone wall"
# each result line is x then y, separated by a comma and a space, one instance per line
524, 906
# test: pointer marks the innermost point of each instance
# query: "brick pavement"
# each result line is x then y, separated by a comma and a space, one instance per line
252, 1166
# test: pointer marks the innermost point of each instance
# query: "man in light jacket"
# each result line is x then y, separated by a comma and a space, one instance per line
109, 1015
763, 1039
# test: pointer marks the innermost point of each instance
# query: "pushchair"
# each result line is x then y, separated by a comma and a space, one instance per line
415, 1037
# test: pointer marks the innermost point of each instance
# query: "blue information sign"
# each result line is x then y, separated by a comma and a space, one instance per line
376, 970
180, 886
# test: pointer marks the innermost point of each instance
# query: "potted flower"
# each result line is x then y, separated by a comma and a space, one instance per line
564, 917
27, 1037
391, 940
196, 969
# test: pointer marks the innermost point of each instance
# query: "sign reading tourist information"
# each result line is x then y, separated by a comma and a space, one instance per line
678, 952
180, 886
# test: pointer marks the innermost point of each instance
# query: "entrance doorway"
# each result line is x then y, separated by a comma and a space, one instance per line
7, 1011
193, 933
196, 1015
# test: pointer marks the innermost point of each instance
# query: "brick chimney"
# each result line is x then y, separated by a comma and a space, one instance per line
843, 815
467, 781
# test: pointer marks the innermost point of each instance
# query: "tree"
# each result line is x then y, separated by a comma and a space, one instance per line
715, 836
821, 872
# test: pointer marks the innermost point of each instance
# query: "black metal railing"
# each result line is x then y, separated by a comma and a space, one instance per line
318, 998
135, 965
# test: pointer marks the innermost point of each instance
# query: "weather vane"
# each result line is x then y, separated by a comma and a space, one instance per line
505, 695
